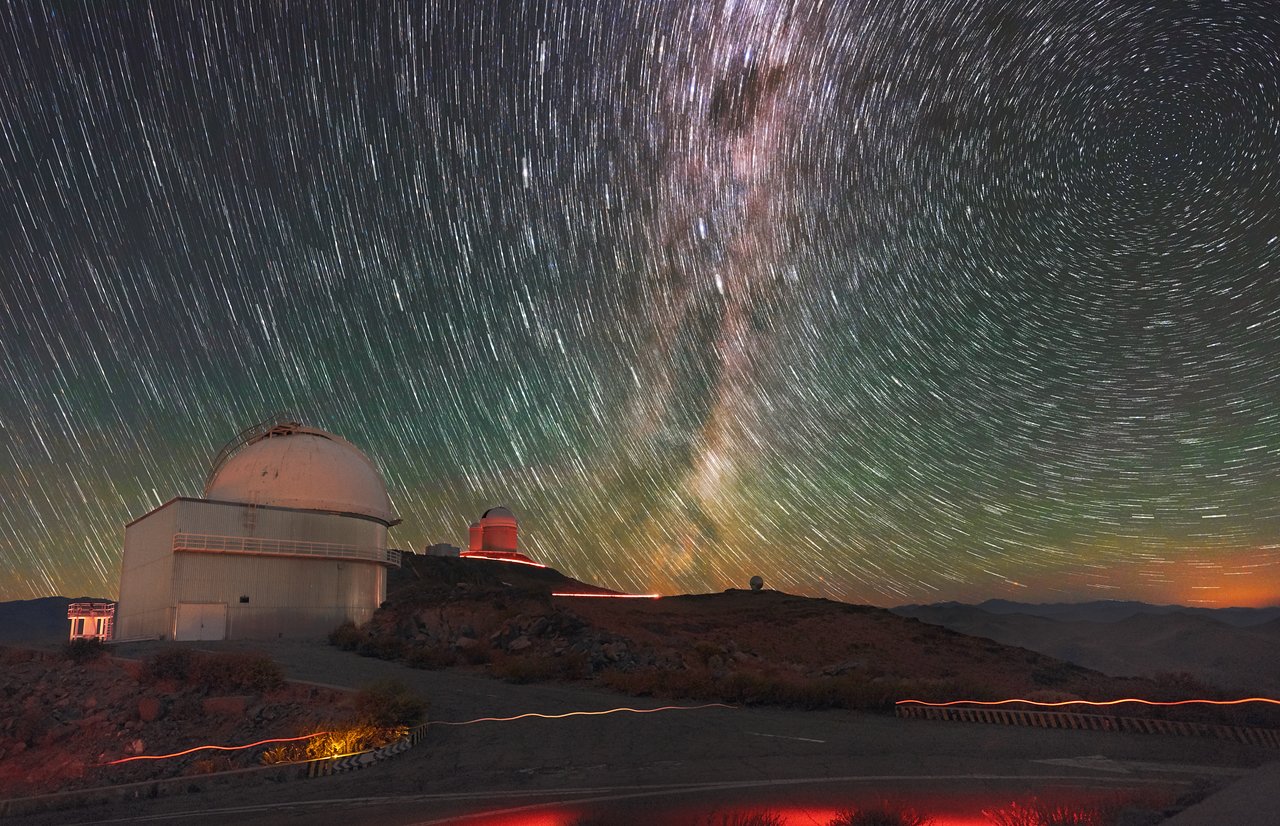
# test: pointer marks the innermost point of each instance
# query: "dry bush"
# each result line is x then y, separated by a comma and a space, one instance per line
339, 741
534, 668
1040, 813
883, 815
171, 664
214, 673
83, 650
234, 671
765, 818
430, 657
346, 636
476, 654
388, 704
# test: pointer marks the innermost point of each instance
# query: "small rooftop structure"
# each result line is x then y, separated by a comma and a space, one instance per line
91, 620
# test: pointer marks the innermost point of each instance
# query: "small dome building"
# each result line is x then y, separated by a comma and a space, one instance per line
289, 540
496, 536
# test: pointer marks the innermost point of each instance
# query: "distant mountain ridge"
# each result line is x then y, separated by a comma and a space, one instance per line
37, 621
1107, 610
1232, 648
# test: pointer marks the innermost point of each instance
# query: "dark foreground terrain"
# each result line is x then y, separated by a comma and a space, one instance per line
676, 761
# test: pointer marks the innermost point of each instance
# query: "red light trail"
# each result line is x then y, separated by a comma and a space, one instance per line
214, 748
495, 558
576, 714
1094, 703
609, 596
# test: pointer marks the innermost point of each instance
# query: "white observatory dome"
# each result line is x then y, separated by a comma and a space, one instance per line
293, 466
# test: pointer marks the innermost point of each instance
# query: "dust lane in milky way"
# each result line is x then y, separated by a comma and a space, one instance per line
888, 302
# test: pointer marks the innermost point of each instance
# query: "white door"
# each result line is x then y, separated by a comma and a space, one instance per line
201, 621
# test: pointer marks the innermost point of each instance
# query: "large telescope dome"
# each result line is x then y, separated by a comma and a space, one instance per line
293, 466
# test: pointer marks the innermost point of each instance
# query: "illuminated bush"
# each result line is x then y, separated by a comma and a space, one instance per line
882, 815
338, 742
1105, 813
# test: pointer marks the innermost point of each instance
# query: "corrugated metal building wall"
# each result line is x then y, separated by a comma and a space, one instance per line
265, 594
146, 577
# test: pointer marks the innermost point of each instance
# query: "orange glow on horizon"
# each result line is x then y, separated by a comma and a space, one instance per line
214, 748
534, 714
1094, 703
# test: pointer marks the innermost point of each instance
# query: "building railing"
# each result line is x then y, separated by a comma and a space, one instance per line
91, 609
256, 546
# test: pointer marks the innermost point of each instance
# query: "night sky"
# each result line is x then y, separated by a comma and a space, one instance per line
891, 302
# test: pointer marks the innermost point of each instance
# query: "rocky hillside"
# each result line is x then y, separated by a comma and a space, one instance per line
737, 646
62, 719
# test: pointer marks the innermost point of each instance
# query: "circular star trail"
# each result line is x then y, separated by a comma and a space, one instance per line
889, 302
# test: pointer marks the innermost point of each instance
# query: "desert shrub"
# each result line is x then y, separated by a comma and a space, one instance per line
214, 673
389, 703
1040, 813
211, 765
430, 657
170, 664
83, 650
382, 647
883, 815
706, 650
233, 671
476, 654
764, 818
534, 668
338, 741
346, 636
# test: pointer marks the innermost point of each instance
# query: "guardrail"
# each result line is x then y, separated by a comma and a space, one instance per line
325, 766
257, 546
1092, 722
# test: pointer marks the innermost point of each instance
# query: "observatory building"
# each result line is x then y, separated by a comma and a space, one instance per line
495, 536
289, 540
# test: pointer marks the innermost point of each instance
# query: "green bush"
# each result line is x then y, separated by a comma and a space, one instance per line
389, 703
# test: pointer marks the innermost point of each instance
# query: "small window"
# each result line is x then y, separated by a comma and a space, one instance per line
244, 599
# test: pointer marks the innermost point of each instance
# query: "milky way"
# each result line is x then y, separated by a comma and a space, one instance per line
890, 302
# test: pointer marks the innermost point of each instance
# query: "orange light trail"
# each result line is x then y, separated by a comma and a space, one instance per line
1094, 703
214, 748
575, 714
610, 596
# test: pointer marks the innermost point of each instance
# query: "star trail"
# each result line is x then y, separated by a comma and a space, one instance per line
890, 302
